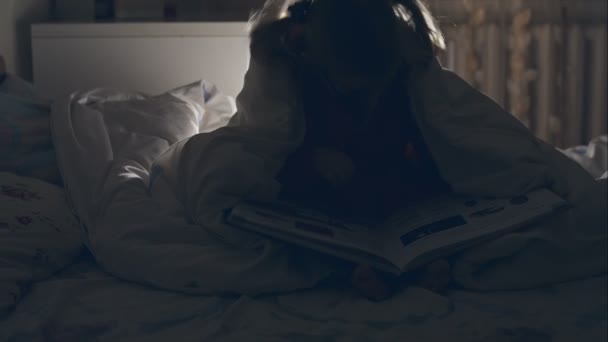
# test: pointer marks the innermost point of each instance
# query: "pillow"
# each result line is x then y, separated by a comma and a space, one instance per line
202, 100
26, 146
39, 235
216, 107
15, 86
592, 157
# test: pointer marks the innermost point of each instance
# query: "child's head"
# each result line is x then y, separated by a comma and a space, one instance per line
352, 41
359, 44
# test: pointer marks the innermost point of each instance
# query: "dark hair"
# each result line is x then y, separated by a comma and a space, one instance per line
272, 11
299, 10
423, 22
359, 33
345, 24
417, 13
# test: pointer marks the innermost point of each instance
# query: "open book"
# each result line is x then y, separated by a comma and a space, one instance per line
409, 238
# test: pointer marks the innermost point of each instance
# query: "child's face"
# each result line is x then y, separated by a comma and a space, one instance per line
362, 77
357, 86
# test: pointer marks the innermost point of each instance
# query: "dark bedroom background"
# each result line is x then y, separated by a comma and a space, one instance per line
544, 60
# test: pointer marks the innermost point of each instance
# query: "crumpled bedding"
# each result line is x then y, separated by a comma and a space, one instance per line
84, 303
593, 157
26, 147
39, 236
152, 192
114, 149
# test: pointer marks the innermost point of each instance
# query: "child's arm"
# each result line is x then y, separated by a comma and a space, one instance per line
317, 170
268, 41
269, 100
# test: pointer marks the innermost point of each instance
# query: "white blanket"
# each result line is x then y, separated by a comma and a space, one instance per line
152, 192
84, 303
593, 157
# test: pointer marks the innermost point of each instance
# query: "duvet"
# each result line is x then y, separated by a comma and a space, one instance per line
151, 177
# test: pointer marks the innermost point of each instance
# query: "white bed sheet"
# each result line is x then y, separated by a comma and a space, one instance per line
85, 304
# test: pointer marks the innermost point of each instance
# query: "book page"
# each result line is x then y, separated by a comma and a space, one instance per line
309, 224
461, 222
411, 216
431, 229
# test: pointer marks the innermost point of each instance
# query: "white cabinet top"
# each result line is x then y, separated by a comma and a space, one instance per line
143, 29
146, 57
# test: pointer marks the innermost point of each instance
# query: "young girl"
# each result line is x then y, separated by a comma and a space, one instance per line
362, 153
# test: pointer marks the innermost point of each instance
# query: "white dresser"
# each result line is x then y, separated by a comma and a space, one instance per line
146, 57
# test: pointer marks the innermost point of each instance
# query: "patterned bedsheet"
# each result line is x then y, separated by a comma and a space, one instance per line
85, 304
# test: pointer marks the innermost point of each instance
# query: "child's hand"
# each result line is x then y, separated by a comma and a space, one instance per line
334, 166
369, 284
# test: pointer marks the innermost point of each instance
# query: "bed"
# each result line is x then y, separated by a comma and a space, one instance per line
82, 303
53, 289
